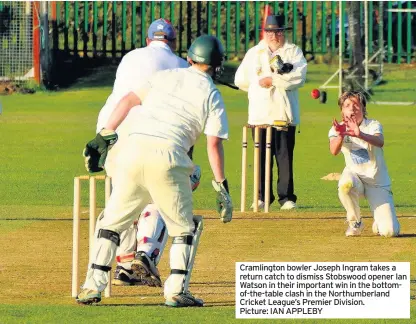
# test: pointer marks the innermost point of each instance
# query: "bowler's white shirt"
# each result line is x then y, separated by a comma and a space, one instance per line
364, 159
134, 70
179, 105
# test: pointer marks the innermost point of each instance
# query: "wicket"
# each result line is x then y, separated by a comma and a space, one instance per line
92, 220
256, 167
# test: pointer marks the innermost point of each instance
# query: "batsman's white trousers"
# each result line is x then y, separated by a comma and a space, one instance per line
380, 199
148, 170
145, 236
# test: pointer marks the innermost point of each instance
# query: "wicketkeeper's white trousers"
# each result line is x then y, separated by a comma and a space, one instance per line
380, 199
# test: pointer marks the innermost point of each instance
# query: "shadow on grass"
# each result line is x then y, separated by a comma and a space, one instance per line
74, 72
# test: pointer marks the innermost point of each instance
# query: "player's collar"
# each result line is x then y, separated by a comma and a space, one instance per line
159, 44
198, 71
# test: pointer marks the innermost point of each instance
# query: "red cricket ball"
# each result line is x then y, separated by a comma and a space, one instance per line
315, 93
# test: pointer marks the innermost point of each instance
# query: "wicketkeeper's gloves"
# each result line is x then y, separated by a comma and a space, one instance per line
224, 203
96, 150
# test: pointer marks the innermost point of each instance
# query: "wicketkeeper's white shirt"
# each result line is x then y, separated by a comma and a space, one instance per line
365, 160
179, 105
135, 69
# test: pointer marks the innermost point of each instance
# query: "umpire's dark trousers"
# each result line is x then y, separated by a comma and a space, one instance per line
283, 144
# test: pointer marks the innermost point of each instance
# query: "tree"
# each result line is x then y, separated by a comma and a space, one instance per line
355, 43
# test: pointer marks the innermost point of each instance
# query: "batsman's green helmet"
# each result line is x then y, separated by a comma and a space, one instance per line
208, 50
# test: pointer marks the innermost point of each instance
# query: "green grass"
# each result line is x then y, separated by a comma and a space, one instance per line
42, 139
43, 136
153, 314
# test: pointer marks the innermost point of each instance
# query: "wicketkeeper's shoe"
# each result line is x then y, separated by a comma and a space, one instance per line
88, 296
184, 300
144, 267
354, 229
124, 277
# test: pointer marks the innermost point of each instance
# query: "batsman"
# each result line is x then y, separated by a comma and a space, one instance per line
176, 106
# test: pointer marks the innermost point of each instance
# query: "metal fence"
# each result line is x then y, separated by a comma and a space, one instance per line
87, 28
16, 59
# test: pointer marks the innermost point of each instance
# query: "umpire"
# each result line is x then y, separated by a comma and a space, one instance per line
271, 72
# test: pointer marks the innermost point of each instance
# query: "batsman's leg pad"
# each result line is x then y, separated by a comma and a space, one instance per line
152, 233
182, 257
102, 257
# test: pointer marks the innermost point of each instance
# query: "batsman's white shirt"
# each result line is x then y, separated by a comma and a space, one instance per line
178, 106
363, 159
134, 70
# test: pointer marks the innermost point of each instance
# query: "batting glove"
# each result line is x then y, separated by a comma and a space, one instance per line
224, 203
195, 177
96, 150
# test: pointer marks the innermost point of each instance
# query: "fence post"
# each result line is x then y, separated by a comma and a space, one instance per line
237, 28
124, 27
209, 18
95, 27
36, 41
76, 22
105, 27
85, 35
256, 21
113, 29
133, 25
304, 15
247, 24
295, 21
399, 33
228, 27
313, 27
409, 33
323, 27
219, 20
389, 31
143, 22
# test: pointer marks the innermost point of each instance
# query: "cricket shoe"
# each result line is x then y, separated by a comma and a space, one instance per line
184, 299
144, 267
88, 297
354, 229
375, 228
288, 205
260, 204
124, 277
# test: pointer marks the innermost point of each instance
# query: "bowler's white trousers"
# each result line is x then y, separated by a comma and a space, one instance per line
380, 199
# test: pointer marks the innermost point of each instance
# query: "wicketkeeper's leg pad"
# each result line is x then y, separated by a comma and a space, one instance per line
182, 257
152, 233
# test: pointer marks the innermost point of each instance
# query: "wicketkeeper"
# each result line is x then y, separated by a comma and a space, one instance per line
361, 140
145, 240
153, 165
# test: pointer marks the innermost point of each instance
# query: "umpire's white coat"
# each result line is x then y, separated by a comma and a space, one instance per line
279, 102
